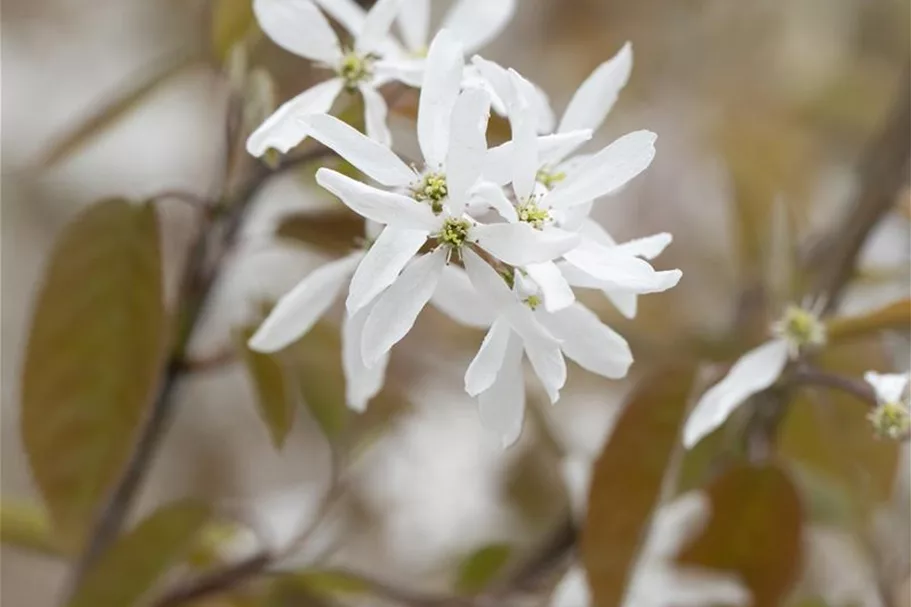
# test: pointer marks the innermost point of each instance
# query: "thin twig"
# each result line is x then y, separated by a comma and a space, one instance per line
817, 377
216, 581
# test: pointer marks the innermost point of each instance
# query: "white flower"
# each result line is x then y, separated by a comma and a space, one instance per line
755, 371
891, 418
451, 133
299, 27
495, 374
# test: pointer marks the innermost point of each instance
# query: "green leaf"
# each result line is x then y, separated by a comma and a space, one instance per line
26, 525
333, 232
627, 480
275, 396
93, 357
232, 20
482, 567
136, 560
896, 315
754, 532
316, 360
123, 102
325, 583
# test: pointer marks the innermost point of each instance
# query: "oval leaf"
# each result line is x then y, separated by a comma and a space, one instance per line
334, 232
896, 315
754, 532
92, 357
274, 396
136, 560
627, 479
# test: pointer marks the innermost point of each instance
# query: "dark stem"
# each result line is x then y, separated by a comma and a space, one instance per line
816, 377
216, 581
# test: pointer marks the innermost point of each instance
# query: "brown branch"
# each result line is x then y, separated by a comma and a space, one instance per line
216, 581
817, 377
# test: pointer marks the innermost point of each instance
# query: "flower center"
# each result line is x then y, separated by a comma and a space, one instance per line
454, 232
532, 301
800, 328
431, 189
890, 420
549, 178
532, 214
355, 68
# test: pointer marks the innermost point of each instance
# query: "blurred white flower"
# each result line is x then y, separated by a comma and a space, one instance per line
755, 371
299, 27
891, 418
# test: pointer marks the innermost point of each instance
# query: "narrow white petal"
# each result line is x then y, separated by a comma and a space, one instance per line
556, 291
588, 341
347, 12
361, 382
375, 111
754, 372
626, 303
596, 96
616, 288
551, 148
376, 26
546, 359
540, 105
618, 270
383, 207
485, 366
502, 407
442, 81
889, 387
457, 298
396, 310
476, 22
370, 157
407, 71
299, 309
524, 137
283, 130
648, 247
591, 229
467, 146
520, 244
414, 24
495, 196
554, 148
607, 171
498, 78
298, 27
382, 263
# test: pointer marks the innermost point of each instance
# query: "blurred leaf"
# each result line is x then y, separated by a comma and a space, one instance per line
896, 315
123, 102
25, 525
335, 232
231, 21
309, 587
627, 481
754, 532
316, 360
482, 567
826, 500
92, 358
275, 397
136, 560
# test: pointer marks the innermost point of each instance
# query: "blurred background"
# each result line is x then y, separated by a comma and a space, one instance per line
762, 109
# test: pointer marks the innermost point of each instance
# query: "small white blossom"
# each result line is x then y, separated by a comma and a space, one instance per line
891, 418
299, 27
755, 371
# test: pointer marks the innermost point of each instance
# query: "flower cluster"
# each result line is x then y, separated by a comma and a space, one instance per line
496, 238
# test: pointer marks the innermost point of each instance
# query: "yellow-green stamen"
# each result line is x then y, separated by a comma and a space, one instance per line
454, 233
532, 214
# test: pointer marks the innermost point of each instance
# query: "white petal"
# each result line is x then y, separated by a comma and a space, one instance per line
626, 303
476, 22
384, 207
648, 247
370, 157
593, 230
458, 299
347, 12
414, 24
520, 244
283, 130
619, 271
486, 364
375, 111
589, 342
376, 26
525, 151
442, 81
407, 71
607, 171
398, 307
596, 96
502, 407
551, 148
381, 265
361, 382
540, 104
554, 288
467, 146
754, 372
546, 359
498, 78
889, 387
298, 27
496, 198
299, 309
